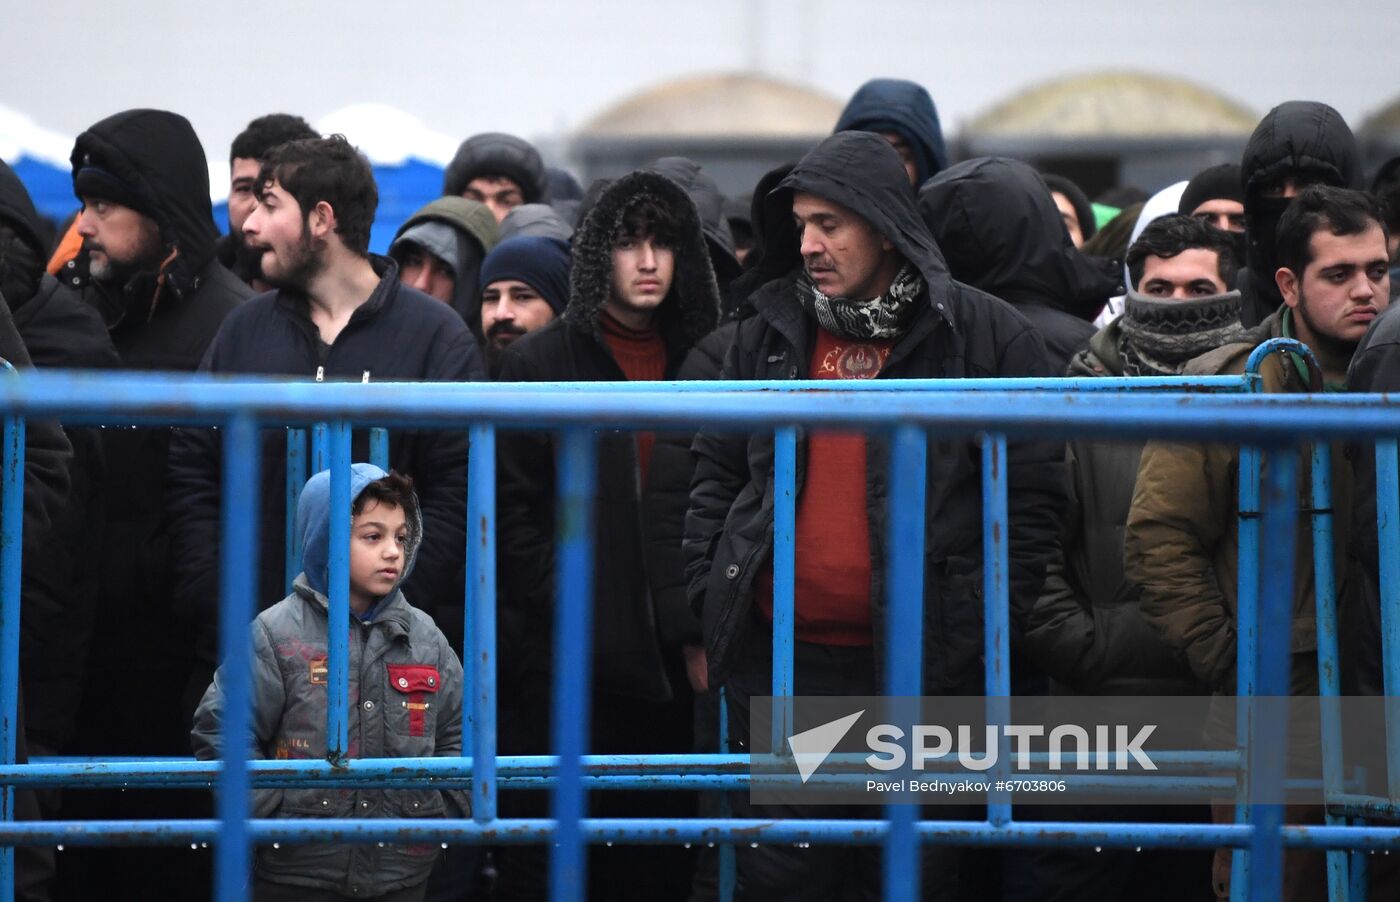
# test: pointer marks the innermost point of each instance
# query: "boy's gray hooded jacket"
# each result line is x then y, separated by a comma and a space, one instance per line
397, 659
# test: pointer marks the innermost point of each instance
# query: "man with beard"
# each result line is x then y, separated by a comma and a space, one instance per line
526, 285
641, 293
865, 294
1181, 546
337, 313
244, 160
148, 267
1296, 144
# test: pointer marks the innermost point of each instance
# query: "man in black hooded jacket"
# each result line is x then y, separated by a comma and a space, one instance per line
498, 170
901, 316
1296, 144
162, 298
902, 113
620, 324
1000, 231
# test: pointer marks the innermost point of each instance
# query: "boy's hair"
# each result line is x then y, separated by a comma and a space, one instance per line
266, 132
1341, 211
394, 490
1170, 235
648, 217
327, 169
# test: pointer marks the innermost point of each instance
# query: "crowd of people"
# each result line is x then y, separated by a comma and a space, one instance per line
874, 256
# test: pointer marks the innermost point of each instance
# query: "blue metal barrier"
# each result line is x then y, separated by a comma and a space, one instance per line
997, 409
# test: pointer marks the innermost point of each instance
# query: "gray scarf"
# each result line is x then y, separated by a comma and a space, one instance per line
1160, 335
886, 316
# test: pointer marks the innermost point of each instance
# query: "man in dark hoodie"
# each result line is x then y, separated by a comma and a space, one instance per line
60, 597
338, 313
902, 113
148, 266
439, 250
498, 170
999, 230
245, 158
867, 294
641, 294
1296, 144
709, 203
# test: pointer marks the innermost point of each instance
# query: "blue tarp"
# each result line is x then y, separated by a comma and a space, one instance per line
402, 190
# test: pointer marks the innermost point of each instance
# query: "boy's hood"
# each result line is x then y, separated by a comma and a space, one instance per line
314, 526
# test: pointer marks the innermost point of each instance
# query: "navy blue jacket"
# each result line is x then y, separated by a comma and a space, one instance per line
398, 335
902, 107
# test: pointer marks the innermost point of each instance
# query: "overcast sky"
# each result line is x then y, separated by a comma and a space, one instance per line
540, 69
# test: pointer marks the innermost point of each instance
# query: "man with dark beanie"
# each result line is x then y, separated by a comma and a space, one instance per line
1296, 144
1216, 195
525, 285
641, 293
148, 266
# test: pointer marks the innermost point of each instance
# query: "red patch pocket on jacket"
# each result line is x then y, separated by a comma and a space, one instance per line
417, 682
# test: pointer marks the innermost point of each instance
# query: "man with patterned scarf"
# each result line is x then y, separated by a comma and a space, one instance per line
1086, 630
865, 294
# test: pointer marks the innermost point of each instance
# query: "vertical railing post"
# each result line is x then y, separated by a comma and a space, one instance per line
379, 447
480, 617
1328, 656
296, 481
11, 554
320, 454
1387, 543
997, 601
238, 583
573, 653
338, 573
1247, 650
1268, 743
904, 635
784, 581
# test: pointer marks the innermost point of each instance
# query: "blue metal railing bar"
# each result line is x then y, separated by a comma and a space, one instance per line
663, 831
11, 547
238, 583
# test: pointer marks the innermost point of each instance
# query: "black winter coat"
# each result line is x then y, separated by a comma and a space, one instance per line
398, 335
627, 651
60, 594
1375, 368
1000, 231
961, 332
157, 322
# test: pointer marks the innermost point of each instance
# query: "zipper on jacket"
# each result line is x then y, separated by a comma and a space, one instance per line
320, 374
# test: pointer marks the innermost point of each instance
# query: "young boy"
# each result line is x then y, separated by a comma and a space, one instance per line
405, 697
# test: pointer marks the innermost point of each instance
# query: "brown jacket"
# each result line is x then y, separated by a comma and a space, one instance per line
1182, 542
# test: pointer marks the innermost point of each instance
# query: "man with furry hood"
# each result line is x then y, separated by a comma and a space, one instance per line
642, 292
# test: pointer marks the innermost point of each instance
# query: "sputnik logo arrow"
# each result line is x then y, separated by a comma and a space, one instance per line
811, 747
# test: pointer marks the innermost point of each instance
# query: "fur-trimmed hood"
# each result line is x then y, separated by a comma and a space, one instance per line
691, 310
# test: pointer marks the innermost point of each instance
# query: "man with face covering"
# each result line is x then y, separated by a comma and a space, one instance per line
996, 224
440, 248
1298, 143
866, 294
